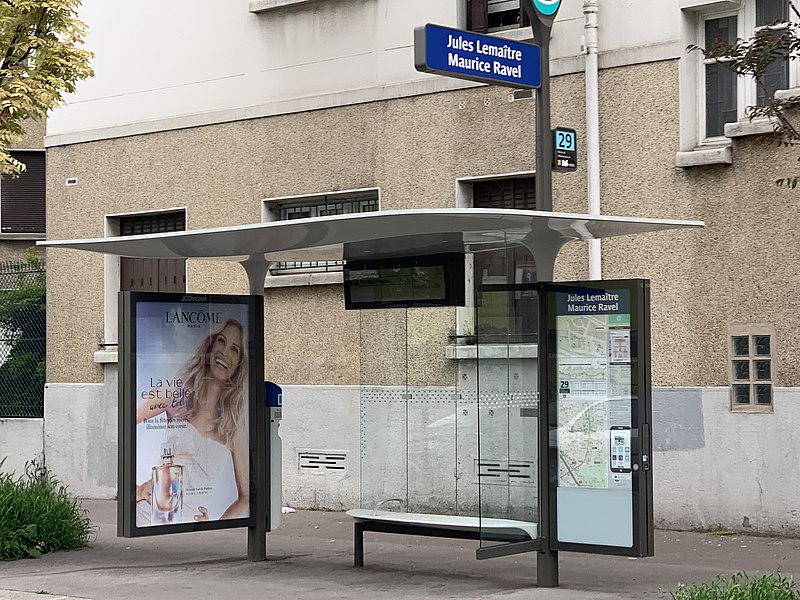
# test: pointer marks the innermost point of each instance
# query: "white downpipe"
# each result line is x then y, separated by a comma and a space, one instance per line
592, 129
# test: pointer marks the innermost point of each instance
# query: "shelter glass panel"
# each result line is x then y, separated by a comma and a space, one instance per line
507, 389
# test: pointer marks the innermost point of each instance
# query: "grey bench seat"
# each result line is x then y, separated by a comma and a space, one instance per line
452, 526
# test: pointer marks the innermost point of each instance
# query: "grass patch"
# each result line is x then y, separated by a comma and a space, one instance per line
719, 530
38, 515
740, 586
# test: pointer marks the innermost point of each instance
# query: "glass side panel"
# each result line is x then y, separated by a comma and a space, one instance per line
507, 384
383, 409
433, 423
418, 431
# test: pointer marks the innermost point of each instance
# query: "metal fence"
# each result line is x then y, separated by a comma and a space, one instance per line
22, 338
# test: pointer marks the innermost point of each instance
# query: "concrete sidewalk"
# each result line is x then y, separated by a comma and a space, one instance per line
311, 556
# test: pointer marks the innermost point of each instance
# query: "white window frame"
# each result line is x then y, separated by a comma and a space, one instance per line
746, 87
701, 75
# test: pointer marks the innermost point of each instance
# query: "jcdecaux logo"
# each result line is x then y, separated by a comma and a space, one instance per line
546, 7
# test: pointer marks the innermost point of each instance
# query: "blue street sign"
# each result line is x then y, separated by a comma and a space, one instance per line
467, 55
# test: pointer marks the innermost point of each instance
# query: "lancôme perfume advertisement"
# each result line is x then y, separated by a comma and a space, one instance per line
191, 383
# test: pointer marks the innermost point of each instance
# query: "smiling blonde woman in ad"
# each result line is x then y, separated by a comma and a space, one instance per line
193, 442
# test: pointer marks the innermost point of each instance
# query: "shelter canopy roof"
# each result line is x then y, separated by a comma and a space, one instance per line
382, 233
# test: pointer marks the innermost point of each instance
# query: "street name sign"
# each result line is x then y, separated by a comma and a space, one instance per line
484, 58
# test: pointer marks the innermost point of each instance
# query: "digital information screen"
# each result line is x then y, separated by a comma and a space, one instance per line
433, 280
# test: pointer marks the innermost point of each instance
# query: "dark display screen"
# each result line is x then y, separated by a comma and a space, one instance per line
432, 280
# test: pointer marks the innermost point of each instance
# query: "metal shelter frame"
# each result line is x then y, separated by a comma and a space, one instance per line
383, 233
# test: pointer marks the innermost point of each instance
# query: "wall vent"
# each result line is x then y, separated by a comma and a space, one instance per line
321, 460
520, 95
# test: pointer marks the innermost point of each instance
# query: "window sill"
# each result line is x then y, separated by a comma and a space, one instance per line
105, 357
745, 128
786, 94
12, 237
260, 6
710, 5
301, 279
753, 409
518, 34
711, 155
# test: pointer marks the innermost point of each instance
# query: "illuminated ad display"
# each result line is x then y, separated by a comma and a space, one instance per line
188, 404
599, 412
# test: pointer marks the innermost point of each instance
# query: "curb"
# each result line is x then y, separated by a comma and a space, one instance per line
43, 595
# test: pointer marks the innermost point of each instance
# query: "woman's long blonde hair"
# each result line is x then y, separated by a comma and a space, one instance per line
196, 378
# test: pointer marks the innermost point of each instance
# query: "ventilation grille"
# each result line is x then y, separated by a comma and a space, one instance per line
505, 472
520, 95
321, 460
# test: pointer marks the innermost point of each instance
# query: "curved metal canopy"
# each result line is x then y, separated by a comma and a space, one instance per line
377, 233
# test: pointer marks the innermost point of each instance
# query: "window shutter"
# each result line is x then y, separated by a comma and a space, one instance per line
478, 16
22, 199
152, 275
519, 193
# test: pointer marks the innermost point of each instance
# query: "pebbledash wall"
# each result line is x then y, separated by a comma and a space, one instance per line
364, 119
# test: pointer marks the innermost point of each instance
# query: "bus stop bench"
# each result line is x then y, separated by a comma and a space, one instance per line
448, 526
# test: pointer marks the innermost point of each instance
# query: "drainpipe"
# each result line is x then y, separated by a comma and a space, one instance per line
592, 129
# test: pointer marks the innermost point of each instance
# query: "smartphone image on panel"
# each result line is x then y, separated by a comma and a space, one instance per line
620, 449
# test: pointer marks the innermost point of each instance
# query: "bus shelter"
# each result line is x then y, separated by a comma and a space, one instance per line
551, 403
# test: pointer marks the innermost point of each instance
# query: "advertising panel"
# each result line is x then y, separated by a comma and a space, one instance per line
189, 395
599, 415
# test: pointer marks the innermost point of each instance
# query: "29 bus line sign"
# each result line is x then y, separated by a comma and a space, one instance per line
467, 55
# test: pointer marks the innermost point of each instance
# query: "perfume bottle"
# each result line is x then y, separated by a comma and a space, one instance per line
167, 500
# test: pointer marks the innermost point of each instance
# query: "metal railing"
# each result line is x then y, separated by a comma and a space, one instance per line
22, 338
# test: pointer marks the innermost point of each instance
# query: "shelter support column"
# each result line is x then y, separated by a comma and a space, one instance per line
545, 251
256, 268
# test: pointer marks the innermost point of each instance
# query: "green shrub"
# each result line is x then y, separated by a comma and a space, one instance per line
38, 515
772, 586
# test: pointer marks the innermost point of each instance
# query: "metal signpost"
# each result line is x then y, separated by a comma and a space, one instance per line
542, 13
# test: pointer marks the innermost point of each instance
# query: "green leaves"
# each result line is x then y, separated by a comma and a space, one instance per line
752, 58
41, 60
740, 586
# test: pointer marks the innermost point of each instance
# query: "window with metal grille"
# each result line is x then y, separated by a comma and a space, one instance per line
518, 192
752, 369
152, 275
495, 15
321, 206
22, 199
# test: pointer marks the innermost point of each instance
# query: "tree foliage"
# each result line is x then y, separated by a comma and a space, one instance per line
752, 58
41, 59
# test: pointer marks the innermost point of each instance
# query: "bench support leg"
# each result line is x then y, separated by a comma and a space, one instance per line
358, 544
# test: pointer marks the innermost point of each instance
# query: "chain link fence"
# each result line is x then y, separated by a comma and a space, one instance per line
22, 337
